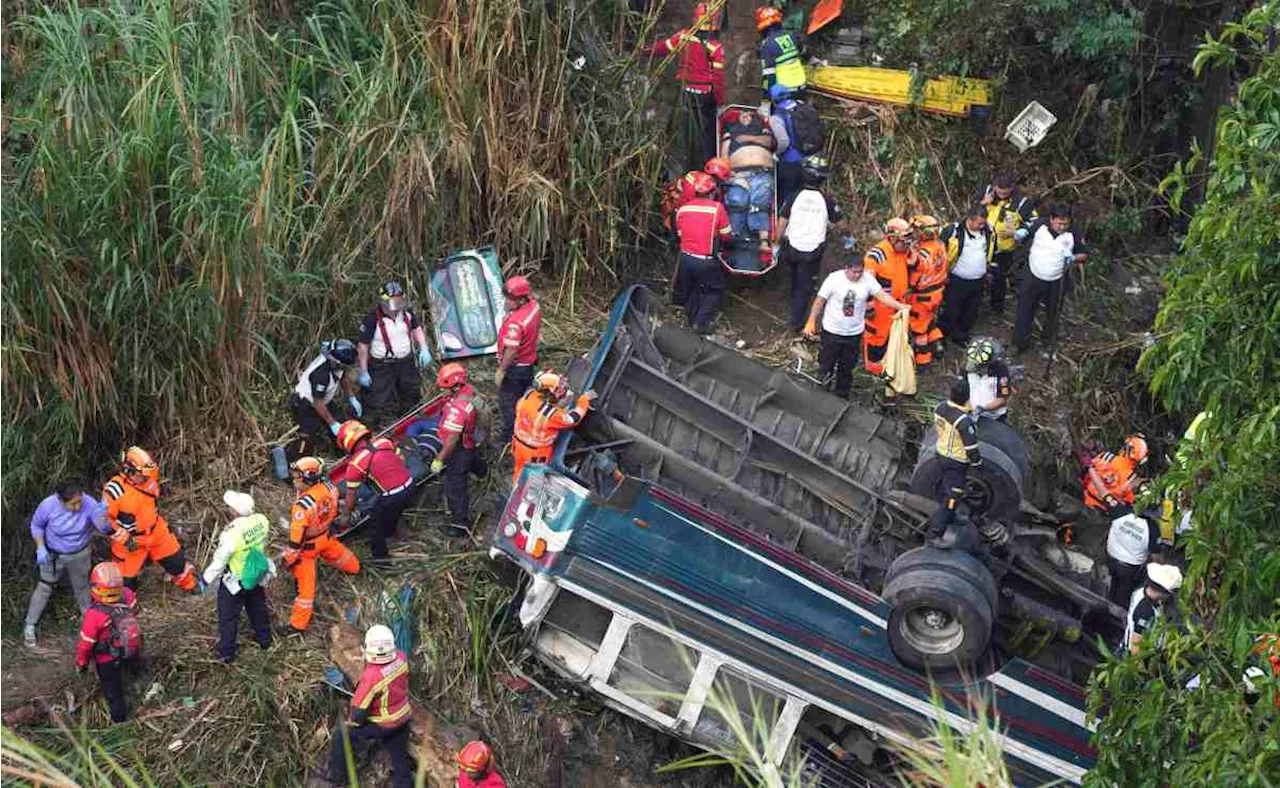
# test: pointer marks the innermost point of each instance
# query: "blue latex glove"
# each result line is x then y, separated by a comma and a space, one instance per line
334, 429
365, 380
424, 357
356, 406
1020, 234
42, 555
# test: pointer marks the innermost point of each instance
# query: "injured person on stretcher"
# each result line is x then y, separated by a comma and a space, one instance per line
749, 197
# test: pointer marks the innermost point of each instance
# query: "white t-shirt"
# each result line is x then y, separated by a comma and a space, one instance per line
972, 262
1048, 256
846, 302
1129, 540
807, 220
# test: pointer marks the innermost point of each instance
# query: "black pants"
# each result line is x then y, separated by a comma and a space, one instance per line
384, 515
999, 270
839, 353
315, 435
699, 128
515, 383
950, 493
789, 179
395, 740
804, 279
396, 388
111, 676
172, 565
457, 487
1032, 292
699, 286
253, 602
960, 305
1124, 578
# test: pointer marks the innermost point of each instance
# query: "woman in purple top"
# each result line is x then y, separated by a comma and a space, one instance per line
63, 526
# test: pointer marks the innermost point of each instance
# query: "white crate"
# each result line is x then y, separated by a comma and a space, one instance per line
1030, 127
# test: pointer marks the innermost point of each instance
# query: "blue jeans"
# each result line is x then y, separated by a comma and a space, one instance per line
749, 201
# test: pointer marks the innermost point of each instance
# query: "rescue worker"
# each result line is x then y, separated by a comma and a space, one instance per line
62, 527
1054, 247
701, 76
109, 635
518, 354
888, 261
379, 710
140, 534
957, 444
312, 400
1111, 480
990, 380
1148, 603
1007, 211
803, 222
458, 456
313, 512
475, 767
927, 279
385, 348
241, 569
1131, 541
540, 419
702, 225
781, 125
970, 247
779, 51
378, 462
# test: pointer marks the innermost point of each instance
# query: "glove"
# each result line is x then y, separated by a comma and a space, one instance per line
437, 466
424, 357
355, 406
42, 555
365, 380
334, 428
1020, 234
291, 556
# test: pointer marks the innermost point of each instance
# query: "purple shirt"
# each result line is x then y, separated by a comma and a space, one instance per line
65, 531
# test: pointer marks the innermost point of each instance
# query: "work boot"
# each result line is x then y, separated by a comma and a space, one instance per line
29, 635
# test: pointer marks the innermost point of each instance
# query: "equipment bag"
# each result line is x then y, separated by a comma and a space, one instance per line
125, 639
808, 134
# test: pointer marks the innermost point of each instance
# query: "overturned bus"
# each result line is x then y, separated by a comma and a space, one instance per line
718, 536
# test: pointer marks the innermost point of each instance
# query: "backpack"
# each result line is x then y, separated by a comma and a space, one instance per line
807, 134
125, 639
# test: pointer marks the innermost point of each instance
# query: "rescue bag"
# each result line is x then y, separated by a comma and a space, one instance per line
808, 135
125, 639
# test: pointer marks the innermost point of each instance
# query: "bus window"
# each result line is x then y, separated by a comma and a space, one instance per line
735, 704
573, 615
654, 669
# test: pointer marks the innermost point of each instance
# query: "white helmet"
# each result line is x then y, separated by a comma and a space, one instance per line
379, 645
1166, 576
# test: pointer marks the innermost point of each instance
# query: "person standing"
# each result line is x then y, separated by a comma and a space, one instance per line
540, 418
1007, 211
1131, 541
927, 280
702, 225
378, 462
387, 361
790, 156
309, 540
889, 261
957, 445
518, 351
476, 769
458, 457
990, 380
970, 245
140, 535
701, 76
803, 222
312, 400
842, 304
63, 526
241, 569
379, 710
779, 51
1054, 247
1147, 604
110, 635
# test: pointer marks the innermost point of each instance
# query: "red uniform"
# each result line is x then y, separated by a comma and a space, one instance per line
927, 279
383, 692
701, 224
890, 268
701, 62
489, 779
520, 331
95, 628
459, 417
379, 462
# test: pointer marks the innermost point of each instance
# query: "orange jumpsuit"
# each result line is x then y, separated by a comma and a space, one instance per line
927, 278
309, 538
148, 538
539, 421
1119, 477
890, 268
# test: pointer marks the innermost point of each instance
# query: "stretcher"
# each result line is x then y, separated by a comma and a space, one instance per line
745, 257
946, 95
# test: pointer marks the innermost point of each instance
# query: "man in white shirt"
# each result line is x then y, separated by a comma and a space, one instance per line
803, 221
842, 305
969, 246
387, 359
1054, 247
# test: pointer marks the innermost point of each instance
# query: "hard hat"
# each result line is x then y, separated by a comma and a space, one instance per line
137, 460
392, 296
926, 225
309, 468
340, 351
815, 167
980, 352
718, 168
475, 757
350, 433
240, 503
705, 18
379, 645
518, 287
451, 375
781, 92
703, 183
898, 228
106, 584
549, 382
1135, 448
1166, 576
767, 17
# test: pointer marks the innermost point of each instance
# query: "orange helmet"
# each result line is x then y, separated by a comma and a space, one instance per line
137, 460
350, 433
518, 287
549, 382
766, 17
106, 584
703, 183
1135, 448
451, 375
475, 757
898, 228
705, 17
718, 168
309, 468
926, 225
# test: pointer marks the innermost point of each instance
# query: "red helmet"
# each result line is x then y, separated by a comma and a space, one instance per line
1135, 448
706, 18
703, 183
766, 17
106, 584
349, 434
518, 287
451, 375
718, 168
475, 757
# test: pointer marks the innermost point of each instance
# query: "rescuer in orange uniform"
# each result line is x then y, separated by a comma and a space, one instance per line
889, 262
927, 279
1111, 479
139, 532
313, 512
540, 418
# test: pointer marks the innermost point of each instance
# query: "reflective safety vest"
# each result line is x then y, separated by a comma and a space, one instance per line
780, 60
957, 434
313, 513
539, 420
929, 270
122, 497
248, 533
1116, 473
383, 691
